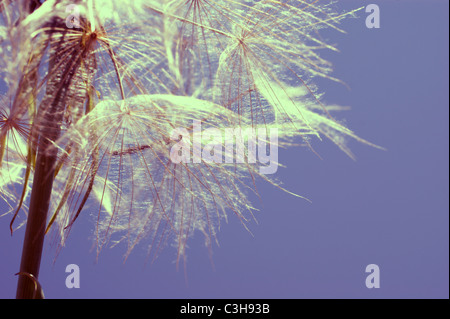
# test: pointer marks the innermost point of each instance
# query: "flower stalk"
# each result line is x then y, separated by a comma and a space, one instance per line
62, 86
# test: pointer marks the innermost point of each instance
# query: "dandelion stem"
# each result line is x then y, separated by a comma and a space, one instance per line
37, 217
33, 241
63, 69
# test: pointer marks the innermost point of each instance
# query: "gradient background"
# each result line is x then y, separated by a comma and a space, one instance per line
389, 207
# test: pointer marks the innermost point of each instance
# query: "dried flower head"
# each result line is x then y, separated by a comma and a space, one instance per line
107, 98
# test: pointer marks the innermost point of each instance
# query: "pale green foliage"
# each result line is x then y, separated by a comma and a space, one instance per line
133, 73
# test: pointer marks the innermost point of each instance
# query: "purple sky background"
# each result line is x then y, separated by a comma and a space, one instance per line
389, 208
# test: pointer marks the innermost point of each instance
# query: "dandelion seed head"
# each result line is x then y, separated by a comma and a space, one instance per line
124, 89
